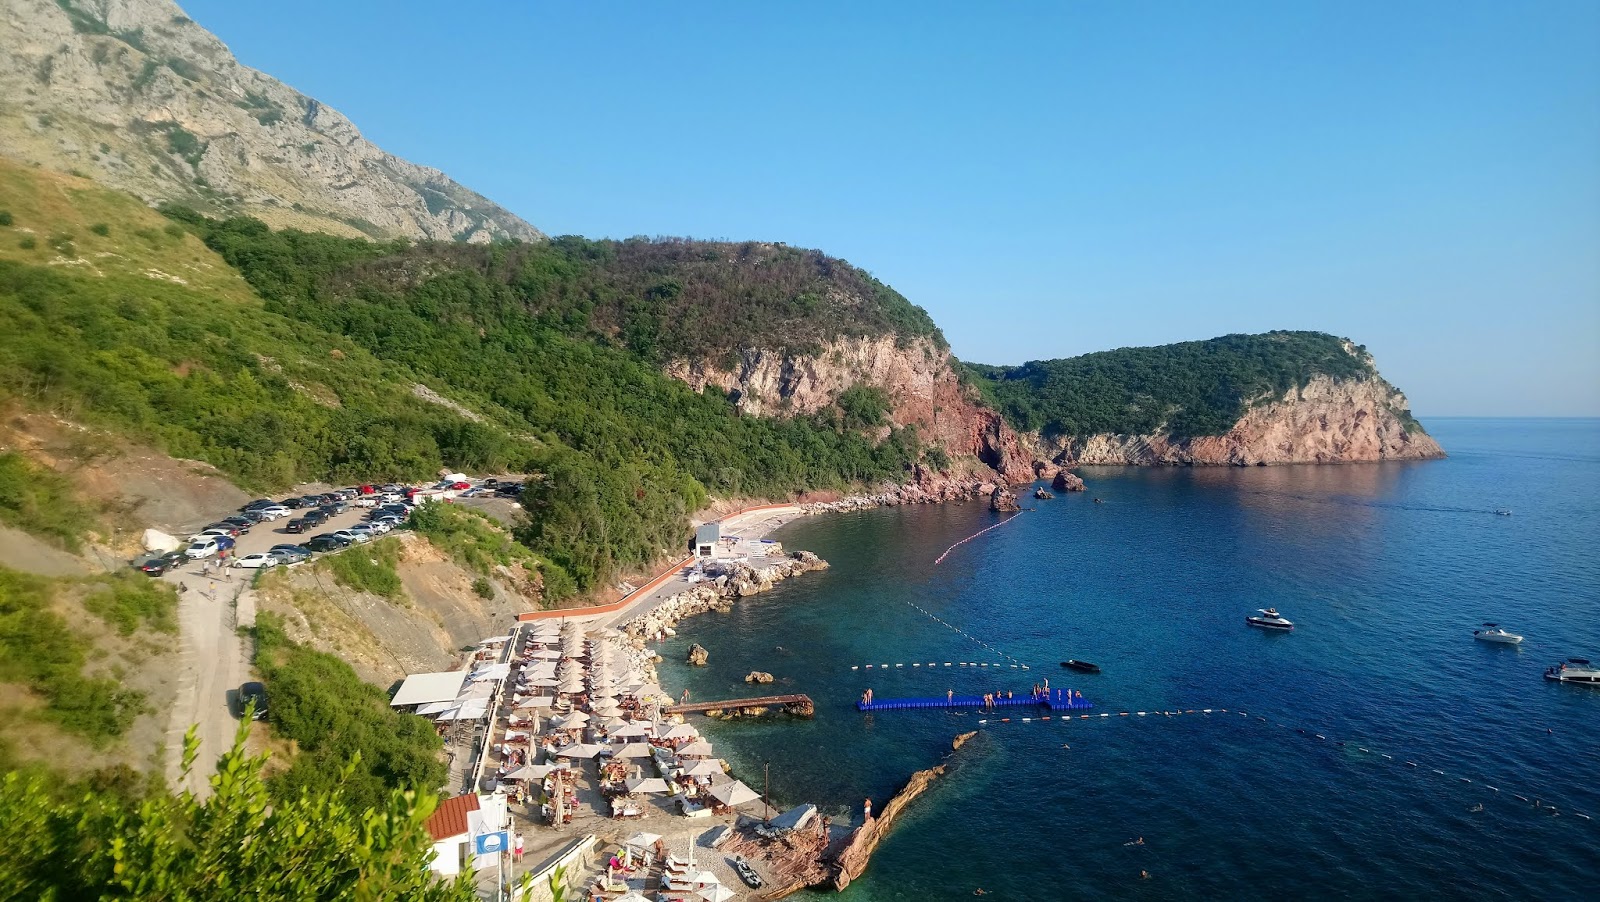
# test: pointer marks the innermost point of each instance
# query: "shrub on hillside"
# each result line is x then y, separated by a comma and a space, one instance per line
41, 501
368, 568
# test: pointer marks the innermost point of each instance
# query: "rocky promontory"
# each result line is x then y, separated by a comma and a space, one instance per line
725, 583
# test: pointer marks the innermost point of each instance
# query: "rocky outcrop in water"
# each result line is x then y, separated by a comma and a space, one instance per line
134, 94
1003, 500
1066, 482
758, 676
698, 655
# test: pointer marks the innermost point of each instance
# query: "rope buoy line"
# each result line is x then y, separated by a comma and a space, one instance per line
933, 664
1537, 802
940, 559
1016, 662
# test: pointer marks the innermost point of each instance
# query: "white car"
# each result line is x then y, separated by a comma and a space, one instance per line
360, 538
378, 527
201, 547
273, 513
209, 534
366, 501
256, 561
370, 530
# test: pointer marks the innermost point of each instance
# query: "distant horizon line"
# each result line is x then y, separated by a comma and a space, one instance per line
1499, 416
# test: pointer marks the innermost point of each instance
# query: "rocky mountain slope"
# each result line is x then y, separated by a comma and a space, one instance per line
1276, 398
134, 94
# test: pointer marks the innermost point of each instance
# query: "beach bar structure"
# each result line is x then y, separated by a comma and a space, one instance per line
1054, 700
706, 539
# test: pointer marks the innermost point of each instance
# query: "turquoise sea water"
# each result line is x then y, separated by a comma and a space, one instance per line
1385, 570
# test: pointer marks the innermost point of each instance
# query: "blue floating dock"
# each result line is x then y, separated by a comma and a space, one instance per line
1054, 700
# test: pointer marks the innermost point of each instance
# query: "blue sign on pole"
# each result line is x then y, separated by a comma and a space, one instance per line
490, 843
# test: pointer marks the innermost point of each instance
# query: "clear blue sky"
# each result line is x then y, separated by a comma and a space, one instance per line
1046, 179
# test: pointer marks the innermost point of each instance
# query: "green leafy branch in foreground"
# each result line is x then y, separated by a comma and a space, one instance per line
162, 846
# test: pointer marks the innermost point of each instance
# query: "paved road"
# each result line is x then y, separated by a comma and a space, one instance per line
214, 659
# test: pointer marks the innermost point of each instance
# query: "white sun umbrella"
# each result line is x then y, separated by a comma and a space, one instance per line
544, 681
734, 792
579, 750
575, 719
570, 683
647, 784
642, 840
612, 724
534, 701
607, 708
697, 878
531, 772
707, 767
697, 749
634, 750
629, 729
715, 892
680, 731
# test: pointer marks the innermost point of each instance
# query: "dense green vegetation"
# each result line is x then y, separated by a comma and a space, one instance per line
131, 601
41, 501
367, 568
244, 841
348, 736
474, 541
1187, 389
40, 650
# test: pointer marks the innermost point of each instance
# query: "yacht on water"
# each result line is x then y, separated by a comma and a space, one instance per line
1270, 619
1492, 632
1574, 670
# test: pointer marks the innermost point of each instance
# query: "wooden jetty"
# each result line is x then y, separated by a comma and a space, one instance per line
797, 704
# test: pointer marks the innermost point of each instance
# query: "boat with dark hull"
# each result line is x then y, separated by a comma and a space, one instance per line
1270, 619
1081, 666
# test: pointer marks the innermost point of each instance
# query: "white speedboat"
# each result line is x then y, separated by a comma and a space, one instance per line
1574, 670
1269, 619
1492, 632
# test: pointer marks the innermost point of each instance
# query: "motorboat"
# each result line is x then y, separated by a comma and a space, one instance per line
747, 873
1492, 632
1083, 666
1574, 670
1269, 619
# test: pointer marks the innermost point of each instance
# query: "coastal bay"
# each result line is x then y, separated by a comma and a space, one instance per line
1385, 570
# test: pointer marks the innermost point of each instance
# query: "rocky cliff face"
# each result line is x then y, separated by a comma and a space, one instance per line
918, 377
134, 94
1327, 421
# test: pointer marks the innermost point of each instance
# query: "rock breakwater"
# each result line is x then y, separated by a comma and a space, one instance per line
725, 582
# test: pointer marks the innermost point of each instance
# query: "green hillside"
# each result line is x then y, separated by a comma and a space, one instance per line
1191, 388
304, 369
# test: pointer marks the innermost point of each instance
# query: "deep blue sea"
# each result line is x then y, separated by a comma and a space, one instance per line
1385, 570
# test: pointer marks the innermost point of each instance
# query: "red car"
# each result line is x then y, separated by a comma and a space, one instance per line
461, 486
366, 489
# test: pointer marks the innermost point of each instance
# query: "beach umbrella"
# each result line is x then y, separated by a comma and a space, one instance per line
642, 840
708, 767
715, 892
579, 750
531, 772
697, 749
734, 792
634, 750
607, 708
647, 785
565, 721
629, 729
570, 683
680, 731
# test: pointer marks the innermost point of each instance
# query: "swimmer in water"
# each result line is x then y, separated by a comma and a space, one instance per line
1477, 807
1144, 875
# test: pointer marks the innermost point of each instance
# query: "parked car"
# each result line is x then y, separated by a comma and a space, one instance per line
393, 521
365, 489
239, 525
257, 504
316, 516
202, 547
275, 512
291, 554
162, 563
366, 501
257, 561
328, 542
459, 486
370, 530
211, 532
298, 525
354, 536
294, 503
335, 508
253, 692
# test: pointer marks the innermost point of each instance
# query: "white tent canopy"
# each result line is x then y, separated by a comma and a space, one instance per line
679, 731
532, 772
633, 750
492, 672
710, 767
629, 730
421, 688
579, 750
697, 749
435, 708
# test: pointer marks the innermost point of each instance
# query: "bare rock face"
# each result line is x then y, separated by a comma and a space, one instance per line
758, 676
698, 655
1066, 482
1328, 421
918, 376
134, 94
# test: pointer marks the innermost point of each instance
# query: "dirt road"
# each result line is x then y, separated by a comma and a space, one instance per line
214, 658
